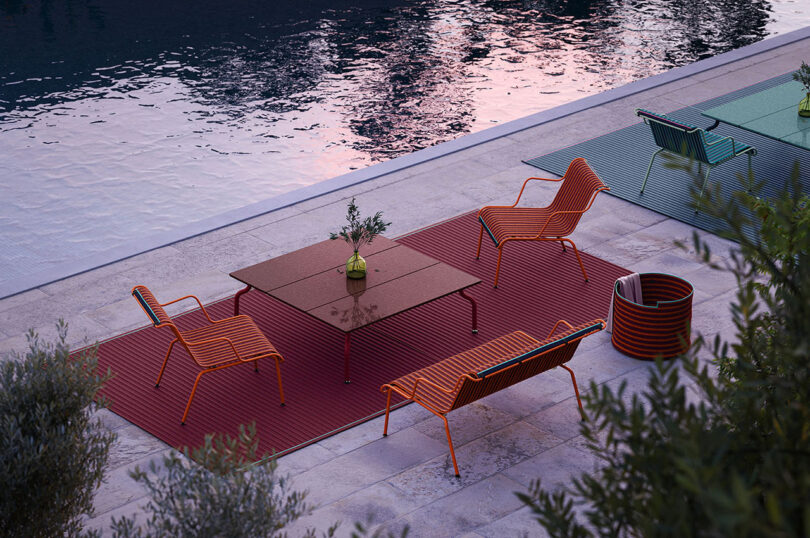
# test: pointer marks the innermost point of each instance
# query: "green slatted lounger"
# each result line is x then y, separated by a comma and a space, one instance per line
687, 140
486, 369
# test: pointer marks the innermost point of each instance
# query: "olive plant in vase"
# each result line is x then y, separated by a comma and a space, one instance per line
803, 76
357, 233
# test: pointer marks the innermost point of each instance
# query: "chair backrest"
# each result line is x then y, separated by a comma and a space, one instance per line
151, 306
549, 354
579, 185
674, 136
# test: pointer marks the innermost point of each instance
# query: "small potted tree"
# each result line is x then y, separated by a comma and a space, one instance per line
803, 76
358, 233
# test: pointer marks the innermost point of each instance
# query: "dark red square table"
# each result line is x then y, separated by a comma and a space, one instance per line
313, 280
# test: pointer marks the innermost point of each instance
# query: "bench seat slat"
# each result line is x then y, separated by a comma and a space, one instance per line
447, 372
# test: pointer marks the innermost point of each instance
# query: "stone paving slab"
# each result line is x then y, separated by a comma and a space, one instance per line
367, 465
521, 522
477, 460
554, 467
465, 510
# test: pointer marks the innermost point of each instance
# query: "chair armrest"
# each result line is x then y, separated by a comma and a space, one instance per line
570, 327
533, 179
520, 193
426, 381
733, 144
554, 330
190, 297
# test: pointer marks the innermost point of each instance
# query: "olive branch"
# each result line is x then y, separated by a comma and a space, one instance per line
360, 232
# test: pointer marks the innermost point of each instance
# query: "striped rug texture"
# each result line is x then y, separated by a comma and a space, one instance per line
539, 285
621, 157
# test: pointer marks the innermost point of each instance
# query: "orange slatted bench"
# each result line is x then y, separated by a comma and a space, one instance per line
500, 363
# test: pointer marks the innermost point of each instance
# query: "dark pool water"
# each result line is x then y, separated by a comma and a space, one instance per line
122, 119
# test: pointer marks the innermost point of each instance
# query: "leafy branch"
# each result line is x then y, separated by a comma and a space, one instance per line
360, 232
803, 76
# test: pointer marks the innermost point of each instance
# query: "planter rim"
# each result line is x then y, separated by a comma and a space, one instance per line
659, 303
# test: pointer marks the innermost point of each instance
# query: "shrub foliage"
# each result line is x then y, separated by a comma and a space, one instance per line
736, 460
52, 451
216, 490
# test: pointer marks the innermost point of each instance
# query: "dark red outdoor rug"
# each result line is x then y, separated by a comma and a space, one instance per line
539, 284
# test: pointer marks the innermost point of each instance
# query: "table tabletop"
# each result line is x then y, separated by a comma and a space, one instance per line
772, 112
313, 280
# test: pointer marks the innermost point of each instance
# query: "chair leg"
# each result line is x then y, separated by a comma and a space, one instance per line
563, 245
480, 238
581, 266
193, 391
387, 412
646, 177
498, 267
165, 360
750, 174
705, 182
450, 442
280, 386
576, 390
256, 365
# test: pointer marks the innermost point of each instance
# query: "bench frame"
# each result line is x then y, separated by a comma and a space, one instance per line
511, 366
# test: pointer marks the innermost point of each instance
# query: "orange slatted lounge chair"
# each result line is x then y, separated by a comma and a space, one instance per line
220, 344
556, 222
488, 368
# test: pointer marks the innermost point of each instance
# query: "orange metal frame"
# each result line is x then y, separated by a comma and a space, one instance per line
204, 352
441, 413
540, 236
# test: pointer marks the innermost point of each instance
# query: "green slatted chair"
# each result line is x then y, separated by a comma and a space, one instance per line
687, 140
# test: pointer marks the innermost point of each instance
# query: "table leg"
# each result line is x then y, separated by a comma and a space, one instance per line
474, 311
236, 299
346, 349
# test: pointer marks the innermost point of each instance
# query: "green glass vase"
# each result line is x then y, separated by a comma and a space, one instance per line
356, 266
804, 107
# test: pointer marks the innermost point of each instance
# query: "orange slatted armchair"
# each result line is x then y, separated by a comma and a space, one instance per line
556, 222
217, 345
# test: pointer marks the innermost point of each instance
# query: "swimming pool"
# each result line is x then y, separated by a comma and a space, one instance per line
118, 123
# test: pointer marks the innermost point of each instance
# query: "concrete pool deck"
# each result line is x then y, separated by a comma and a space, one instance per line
503, 441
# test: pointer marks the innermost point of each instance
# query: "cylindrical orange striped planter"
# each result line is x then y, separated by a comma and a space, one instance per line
660, 326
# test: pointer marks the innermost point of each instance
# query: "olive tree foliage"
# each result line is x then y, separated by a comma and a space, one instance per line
222, 489
734, 459
216, 489
52, 450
